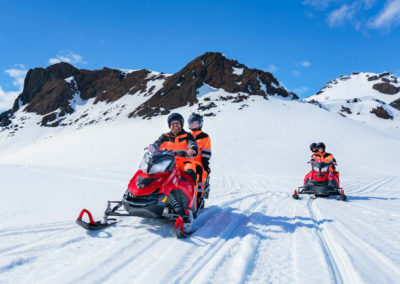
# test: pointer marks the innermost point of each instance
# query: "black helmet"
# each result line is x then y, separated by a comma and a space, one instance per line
175, 116
195, 117
321, 145
313, 145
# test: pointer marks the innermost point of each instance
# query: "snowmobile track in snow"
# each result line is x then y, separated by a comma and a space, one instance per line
155, 247
217, 246
329, 257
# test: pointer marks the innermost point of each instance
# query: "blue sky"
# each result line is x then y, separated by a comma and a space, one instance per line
303, 43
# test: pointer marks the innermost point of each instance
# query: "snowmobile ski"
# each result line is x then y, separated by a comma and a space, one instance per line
93, 225
180, 232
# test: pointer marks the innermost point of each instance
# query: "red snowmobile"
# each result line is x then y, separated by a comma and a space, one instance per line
157, 190
321, 182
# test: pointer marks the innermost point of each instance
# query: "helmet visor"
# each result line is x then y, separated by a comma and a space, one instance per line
194, 124
176, 123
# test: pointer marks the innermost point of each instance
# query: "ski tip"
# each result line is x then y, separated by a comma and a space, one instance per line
295, 195
91, 220
180, 232
179, 223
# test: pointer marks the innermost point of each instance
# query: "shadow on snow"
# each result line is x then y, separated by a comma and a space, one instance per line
227, 223
350, 198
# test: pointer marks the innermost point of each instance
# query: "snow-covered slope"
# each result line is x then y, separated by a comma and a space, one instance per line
365, 97
357, 85
251, 230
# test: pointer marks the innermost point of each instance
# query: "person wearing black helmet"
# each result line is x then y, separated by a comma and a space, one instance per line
178, 139
202, 159
313, 147
322, 156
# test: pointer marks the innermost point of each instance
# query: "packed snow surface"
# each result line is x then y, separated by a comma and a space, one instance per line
251, 230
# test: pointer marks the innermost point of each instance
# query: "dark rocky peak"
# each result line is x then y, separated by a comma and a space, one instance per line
53, 89
37, 78
54, 92
215, 70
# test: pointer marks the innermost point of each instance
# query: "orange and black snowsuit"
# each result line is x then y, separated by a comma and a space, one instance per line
324, 158
203, 157
182, 141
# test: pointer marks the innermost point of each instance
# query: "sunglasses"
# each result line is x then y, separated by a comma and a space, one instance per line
175, 123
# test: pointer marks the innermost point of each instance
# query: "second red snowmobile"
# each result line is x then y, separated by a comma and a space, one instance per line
321, 182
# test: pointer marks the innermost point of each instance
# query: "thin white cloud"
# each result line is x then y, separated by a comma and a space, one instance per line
342, 14
71, 57
320, 4
296, 73
368, 3
305, 64
388, 17
358, 13
272, 68
301, 90
18, 75
7, 98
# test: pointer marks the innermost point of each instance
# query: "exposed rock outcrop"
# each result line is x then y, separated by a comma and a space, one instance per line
395, 104
386, 88
381, 112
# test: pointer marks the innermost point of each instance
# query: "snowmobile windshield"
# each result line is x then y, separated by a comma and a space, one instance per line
320, 167
153, 163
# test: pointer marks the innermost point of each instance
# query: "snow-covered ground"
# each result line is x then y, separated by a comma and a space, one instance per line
251, 229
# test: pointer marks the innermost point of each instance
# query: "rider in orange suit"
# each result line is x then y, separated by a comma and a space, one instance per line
202, 159
178, 139
322, 157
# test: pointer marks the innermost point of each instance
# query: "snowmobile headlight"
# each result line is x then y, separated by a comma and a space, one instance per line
324, 169
160, 167
315, 168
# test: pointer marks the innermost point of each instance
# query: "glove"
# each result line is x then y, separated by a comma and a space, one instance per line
208, 170
152, 148
191, 152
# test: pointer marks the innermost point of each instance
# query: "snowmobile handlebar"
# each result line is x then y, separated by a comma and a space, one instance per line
330, 163
180, 153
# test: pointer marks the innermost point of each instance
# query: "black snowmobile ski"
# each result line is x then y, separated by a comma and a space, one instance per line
92, 225
312, 192
179, 229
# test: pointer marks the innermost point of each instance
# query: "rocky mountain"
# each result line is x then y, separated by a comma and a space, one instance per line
56, 93
365, 97
214, 70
